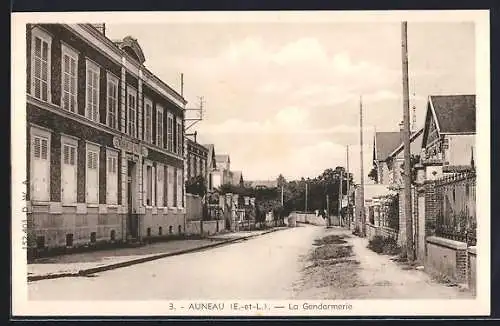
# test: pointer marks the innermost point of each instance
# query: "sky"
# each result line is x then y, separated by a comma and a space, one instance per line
284, 97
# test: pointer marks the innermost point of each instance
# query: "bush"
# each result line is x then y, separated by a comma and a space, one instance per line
383, 245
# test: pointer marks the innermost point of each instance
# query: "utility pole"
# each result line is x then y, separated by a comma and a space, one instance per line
340, 197
361, 170
406, 140
347, 185
328, 210
182, 84
306, 197
282, 197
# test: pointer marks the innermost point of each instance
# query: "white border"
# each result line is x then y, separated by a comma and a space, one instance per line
479, 306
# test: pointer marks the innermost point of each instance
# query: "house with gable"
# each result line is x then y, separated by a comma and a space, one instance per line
449, 137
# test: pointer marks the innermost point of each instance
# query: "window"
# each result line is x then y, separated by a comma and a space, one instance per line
112, 101
40, 165
170, 132
170, 186
180, 135
159, 126
180, 187
68, 169
92, 174
148, 121
92, 92
112, 177
40, 64
191, 166
69, 75
148, 184
159, 185
132, 109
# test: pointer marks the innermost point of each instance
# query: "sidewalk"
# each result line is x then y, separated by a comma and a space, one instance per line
92, 262
385, 278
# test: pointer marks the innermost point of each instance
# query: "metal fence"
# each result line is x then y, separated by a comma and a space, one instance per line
456, 211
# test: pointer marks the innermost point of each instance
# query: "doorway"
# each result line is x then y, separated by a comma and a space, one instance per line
133, 225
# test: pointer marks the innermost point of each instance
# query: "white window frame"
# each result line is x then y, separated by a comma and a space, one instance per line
179, 174
41, 133
160, 125
131, 91
112, 153
179, 135
66, 50
170, 132
171, 177
110, 78
46, 37
93, 148
148, 164
148, 138
94, 67
72, 142
160, 185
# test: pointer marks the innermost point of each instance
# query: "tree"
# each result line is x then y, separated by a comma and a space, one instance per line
373, 175
196, 186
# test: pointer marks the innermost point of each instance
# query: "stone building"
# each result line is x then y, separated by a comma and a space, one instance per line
105, 144
197, 156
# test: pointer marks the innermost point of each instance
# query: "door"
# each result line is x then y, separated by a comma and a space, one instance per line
132, 216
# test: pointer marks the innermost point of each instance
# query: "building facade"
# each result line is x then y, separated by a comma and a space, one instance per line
196, 159
105, 144
449, 136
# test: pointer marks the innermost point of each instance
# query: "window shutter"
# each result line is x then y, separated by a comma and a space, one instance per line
36, 147
66, 154
44, 149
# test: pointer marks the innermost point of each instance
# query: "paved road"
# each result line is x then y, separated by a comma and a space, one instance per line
267, 267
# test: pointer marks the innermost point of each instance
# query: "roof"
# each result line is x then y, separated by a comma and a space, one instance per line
236, 177
132, 47
222, 158
401, 145
263, 183
385, 144
454, 113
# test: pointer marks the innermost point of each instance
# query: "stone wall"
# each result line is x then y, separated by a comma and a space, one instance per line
161, 222
446, 257
73, 226
194, 208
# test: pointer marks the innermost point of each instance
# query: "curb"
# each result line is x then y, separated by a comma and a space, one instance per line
89, 271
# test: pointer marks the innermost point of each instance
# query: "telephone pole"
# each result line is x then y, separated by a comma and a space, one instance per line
406, 140
361, 170
327, 210
347, 184
282, 197
306, 197
340, 197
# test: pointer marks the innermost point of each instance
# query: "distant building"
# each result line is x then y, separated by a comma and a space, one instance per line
384, 144
395, 159
236, 178
449, 136
197, 158
262, 183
